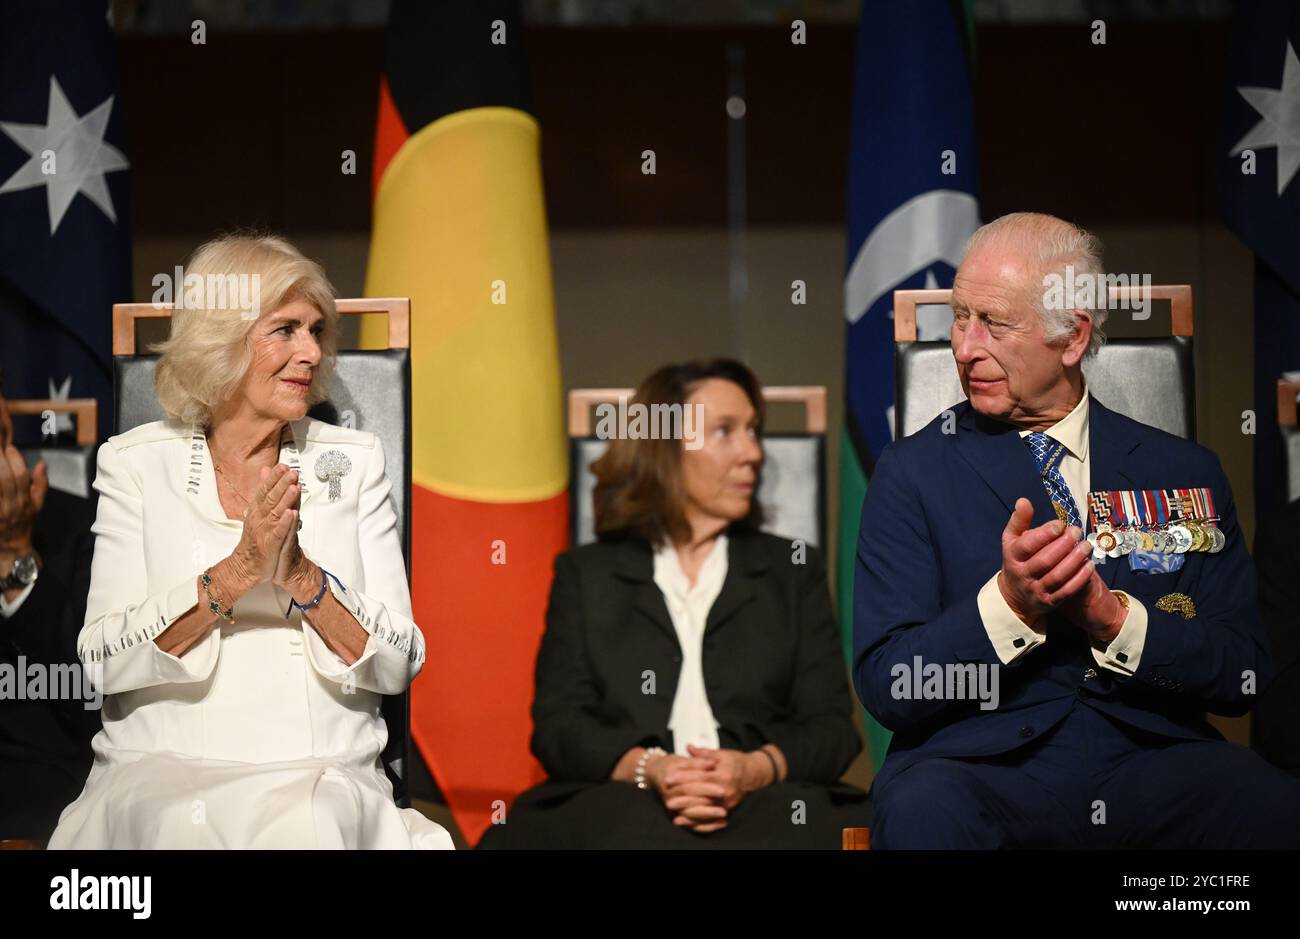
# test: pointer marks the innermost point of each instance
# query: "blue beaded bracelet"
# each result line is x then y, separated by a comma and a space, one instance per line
324, 584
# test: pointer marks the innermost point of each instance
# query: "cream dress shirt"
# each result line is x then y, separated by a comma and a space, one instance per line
691, 719
1005, 629
259, 735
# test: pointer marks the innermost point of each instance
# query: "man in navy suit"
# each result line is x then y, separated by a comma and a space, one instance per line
1040, 697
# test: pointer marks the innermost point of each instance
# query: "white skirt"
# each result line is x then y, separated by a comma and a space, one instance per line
140, 801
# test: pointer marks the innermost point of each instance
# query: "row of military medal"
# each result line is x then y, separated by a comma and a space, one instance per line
1153, 521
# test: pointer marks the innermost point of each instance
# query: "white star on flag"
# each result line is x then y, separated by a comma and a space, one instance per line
1280, 127
81, 156
62, 421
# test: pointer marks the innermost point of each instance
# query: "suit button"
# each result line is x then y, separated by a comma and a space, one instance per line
1026, 731
677, 658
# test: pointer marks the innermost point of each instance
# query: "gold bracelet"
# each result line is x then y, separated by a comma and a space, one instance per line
214, 604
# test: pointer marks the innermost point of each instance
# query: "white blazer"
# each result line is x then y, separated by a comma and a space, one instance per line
266, 691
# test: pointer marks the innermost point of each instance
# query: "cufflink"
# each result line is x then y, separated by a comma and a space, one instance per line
1019, 643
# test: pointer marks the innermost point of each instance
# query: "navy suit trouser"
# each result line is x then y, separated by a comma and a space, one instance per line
1092, 782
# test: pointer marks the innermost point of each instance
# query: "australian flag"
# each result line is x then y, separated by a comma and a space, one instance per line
1259, 194
65, 249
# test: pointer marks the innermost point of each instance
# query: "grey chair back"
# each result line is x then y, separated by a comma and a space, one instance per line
1149, 380
371, 391
792, 486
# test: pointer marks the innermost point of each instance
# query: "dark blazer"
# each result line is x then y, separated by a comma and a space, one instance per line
773, 665
45, 752
930, 538
1275, 727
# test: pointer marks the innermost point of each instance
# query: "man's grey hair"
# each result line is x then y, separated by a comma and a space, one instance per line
1055, 246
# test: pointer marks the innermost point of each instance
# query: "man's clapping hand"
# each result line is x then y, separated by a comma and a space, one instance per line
22, 495
1041, 567
1050, 567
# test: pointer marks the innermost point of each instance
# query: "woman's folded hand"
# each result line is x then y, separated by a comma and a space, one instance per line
266, 525
736, 772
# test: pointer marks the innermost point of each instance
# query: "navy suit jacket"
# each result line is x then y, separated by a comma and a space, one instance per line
931, 536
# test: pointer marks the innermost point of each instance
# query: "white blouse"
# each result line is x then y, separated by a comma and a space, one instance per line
691, 719
259, 730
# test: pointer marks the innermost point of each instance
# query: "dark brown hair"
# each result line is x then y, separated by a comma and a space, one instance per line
639, 489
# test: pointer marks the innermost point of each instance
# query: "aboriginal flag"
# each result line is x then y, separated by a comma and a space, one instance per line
460, 228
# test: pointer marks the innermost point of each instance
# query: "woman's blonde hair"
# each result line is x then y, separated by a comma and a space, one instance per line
208, 352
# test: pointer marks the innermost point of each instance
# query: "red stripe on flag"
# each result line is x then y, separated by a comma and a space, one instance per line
482, 623
390, 134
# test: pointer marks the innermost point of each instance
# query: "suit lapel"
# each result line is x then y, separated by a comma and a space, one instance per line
635, 565
1110, 455
997, 454
196, 465
297, 451
745, 562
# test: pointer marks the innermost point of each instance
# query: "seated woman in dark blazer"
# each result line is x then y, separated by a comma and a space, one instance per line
691, 688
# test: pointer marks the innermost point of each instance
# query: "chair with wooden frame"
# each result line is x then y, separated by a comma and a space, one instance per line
793, 483
1149, 380
70, 469
371, 391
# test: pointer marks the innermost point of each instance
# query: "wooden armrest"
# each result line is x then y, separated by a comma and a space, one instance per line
398, 310
85, 413
812, 397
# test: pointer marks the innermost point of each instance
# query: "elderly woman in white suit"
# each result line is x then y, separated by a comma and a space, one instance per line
248, 603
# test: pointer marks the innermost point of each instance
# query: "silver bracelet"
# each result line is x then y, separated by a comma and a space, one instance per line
640, 779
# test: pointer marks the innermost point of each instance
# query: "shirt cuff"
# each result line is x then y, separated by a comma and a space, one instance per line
9, 607
1011, 638
1124, 652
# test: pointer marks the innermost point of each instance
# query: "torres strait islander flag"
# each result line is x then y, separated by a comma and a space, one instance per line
460, 228
911, 207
